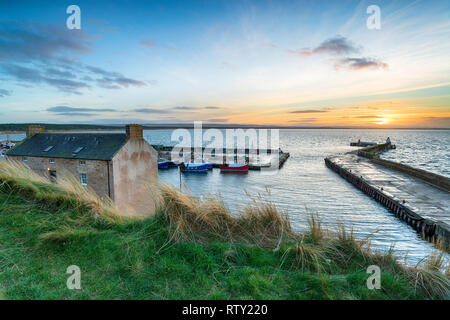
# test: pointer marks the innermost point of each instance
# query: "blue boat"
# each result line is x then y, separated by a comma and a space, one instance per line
210, 165
194, 167
163, 164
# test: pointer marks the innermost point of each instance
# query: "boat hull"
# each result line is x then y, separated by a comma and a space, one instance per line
195, 167
163, 165
234, 169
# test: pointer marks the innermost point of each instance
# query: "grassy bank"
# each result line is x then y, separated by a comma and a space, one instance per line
192, 249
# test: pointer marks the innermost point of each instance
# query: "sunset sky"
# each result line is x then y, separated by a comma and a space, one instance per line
300, 63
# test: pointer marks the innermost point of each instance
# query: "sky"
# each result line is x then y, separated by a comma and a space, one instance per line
293, 63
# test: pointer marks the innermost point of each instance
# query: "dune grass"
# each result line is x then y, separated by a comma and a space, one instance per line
191, 249
192, 219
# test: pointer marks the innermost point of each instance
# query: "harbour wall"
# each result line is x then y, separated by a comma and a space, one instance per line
373, 153
434, 231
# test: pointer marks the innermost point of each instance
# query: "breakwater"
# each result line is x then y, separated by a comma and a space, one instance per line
421, 202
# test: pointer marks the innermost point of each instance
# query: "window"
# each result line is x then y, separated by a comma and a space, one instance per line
51, 161
52, 175
82, 163
25, 159
78, 149
48, 148
83, 179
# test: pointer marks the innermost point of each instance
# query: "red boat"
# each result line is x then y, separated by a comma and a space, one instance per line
234, 168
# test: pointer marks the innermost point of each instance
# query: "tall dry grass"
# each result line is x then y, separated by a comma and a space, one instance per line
192, 218
327, 249
67, 189
317, 250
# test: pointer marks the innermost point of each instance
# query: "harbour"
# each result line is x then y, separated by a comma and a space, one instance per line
306, 185
218, 158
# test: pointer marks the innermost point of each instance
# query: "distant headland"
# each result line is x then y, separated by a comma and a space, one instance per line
21, 127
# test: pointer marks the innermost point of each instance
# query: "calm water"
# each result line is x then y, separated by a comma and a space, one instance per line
306, 185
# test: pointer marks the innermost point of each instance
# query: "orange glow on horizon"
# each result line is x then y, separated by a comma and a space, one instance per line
398, 116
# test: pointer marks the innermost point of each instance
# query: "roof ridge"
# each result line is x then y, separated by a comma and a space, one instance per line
95, 146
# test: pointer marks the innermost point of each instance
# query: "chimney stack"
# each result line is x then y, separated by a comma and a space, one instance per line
34, 129
134, 131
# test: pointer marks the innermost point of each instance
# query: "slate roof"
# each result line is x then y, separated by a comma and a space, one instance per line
91, 146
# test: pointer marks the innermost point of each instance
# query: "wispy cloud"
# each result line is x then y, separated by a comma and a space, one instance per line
304, 121
4, 93
52, 72
32, 75
67, 111
369, 117
112, 79
151, 110
310, 111
154, 44
79, 110
341, 47
217, 120
361, 63
77, 114
32, 41
184, 108
333, 46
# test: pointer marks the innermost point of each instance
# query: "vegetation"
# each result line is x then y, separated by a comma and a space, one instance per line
191, 249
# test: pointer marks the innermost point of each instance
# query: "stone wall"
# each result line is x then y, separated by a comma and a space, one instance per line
135, 171
435, 179
96, 171
373, 153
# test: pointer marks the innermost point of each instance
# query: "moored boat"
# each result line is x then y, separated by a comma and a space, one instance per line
210, 165
262, 161
234, 168
194, 167
164, 164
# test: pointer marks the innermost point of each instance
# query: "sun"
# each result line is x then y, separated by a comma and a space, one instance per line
383, 119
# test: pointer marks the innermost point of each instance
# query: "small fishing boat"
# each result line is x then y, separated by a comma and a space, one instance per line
262, 161
234, 168
163, 164
210, 165
194, 167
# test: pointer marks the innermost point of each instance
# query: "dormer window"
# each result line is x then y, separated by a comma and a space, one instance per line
77, 150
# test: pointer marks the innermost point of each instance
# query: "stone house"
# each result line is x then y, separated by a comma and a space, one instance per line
120, 166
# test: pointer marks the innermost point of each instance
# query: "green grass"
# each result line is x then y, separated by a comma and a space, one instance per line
132, 260
154, 258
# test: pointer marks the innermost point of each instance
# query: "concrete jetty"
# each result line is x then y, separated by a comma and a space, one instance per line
422, 204
166, 153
